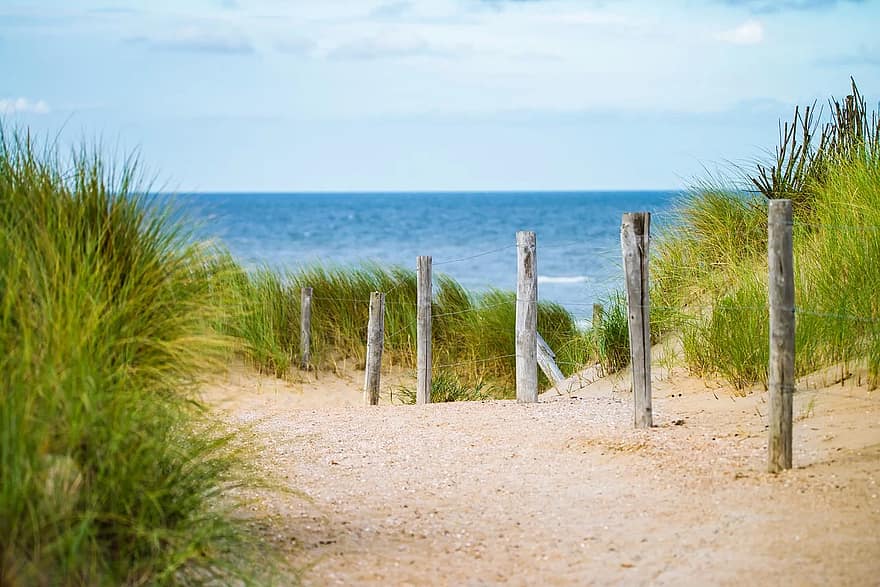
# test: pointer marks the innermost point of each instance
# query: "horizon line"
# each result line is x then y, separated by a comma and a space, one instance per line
419, 192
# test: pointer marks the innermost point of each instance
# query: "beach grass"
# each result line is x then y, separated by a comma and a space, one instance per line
472, 333
710, 269
447, 387
109, 473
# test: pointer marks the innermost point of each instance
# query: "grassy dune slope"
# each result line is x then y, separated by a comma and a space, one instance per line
108, 472
710, 271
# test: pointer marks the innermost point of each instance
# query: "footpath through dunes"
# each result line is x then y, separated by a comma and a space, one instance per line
563, 492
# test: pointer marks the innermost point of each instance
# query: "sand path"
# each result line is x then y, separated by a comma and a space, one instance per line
564, 492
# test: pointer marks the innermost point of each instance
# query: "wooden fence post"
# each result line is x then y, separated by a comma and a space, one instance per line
305, 327
635, 236
375, 342
526, 318
423, 331
598, 313
782, 330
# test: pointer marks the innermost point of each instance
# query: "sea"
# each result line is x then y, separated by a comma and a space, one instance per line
470, 236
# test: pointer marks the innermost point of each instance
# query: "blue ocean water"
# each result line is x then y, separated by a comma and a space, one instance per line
578, 233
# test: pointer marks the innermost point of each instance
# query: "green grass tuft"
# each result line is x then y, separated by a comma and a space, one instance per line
446, 387
109, 474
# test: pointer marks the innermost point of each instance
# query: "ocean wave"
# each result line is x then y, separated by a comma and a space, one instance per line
563, 279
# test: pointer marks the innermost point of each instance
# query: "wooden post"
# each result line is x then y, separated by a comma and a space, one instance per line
782, 329
423, 331
598, 312
375, 342
305, 327
635, 236
547, 362
526, 318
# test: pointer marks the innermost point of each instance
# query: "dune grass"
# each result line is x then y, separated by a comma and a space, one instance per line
446, 387
473, 333
711, 268
611, 336
109, 474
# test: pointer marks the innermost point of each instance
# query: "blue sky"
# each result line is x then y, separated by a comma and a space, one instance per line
341, 95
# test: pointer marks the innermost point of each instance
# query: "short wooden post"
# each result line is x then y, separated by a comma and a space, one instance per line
780, 261
375, 342
526, 318
598, 313
547, 362
635, 236
423, 331
305, 327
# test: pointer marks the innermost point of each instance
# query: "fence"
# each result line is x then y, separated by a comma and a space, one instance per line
532, 352
524, 303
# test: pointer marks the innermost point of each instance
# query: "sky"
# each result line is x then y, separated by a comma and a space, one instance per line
439, 95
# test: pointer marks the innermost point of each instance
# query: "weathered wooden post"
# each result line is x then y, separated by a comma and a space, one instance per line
635, 236
526, 318
780, 260
423, 331
305, 327
375, 342
547, 362
598, 313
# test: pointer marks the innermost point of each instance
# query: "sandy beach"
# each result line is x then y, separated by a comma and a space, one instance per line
563, 492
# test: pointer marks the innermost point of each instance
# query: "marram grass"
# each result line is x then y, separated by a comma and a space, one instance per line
711, 268
109, 475
472, 333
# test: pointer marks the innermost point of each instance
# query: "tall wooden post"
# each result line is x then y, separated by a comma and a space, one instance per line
635, 236
780, 261
526, 318
305, 327
423, 331
375, 342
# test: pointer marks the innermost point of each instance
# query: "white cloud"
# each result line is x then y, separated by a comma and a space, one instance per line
199, 39
23, 106
295, 45
585, 17
389, 47
750, 32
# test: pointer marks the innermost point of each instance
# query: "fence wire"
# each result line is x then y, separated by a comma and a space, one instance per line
836, 226
474, 361
470, 310
401, 330
474, 256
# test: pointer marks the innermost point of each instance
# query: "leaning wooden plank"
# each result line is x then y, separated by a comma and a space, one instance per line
547, 361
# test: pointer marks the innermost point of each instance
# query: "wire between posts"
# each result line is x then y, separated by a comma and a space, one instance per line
475, 256
397, 285
403, 329
725, 307
477, 309
332, 299
444, 314
362, 301
838, 226
852, 317
473, 361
